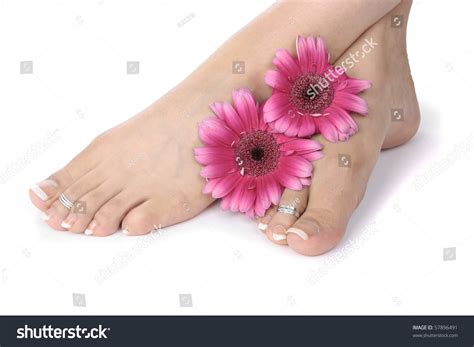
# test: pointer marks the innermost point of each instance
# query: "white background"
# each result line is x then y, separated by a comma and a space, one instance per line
391, 261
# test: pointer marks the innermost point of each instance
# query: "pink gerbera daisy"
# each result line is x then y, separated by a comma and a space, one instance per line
310, 96
245, 162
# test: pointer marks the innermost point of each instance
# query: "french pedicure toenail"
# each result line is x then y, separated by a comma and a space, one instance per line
90, 228
279, 237
39, 191
278, 233
45, 216
298, 232
263, 225
69, 221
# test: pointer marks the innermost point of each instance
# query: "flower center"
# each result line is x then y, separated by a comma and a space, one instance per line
256, 153
311, 93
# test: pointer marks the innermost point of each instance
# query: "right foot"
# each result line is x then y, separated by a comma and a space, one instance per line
337, 191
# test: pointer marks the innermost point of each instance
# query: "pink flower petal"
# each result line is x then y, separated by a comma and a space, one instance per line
301, 145
250, 213
286, 63
302, 53
214, 132
225, 185
232, 119
262, 124
351, 102
322, 58
217, 108
289, 181
237, 195
339, 122
354, 86
218, 170
282, 138
248, 200
297, 166
344, 136
276, 106
251, 106
273, 189
282, 124
277, 80
307, 128
327, 129
311, 156
210, 185
294, 126
262, 194
240, 104
311, 53
210, 155
225, 203
345, 116
262, 203
305, 181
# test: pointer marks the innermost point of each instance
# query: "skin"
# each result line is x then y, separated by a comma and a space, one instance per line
141, 174
327, 205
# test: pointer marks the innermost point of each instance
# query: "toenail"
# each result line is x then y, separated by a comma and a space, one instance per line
90, 228
262, 226
279, 237
45, 216
298, 232
38, 189
69, 221
125, 231
278, 232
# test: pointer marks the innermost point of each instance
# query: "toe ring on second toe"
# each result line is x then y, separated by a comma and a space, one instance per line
65, 201
288, 209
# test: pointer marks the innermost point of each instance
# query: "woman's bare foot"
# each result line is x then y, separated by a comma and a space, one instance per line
341, 176
141, 174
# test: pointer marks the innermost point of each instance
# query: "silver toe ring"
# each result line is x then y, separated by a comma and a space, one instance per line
64, 200
288, 209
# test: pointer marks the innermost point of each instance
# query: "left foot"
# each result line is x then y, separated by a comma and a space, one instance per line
339, 185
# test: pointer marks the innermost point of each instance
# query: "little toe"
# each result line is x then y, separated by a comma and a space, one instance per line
142, 219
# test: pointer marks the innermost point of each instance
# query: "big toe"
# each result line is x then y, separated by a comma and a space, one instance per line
46, 192
292, 204
316, 232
